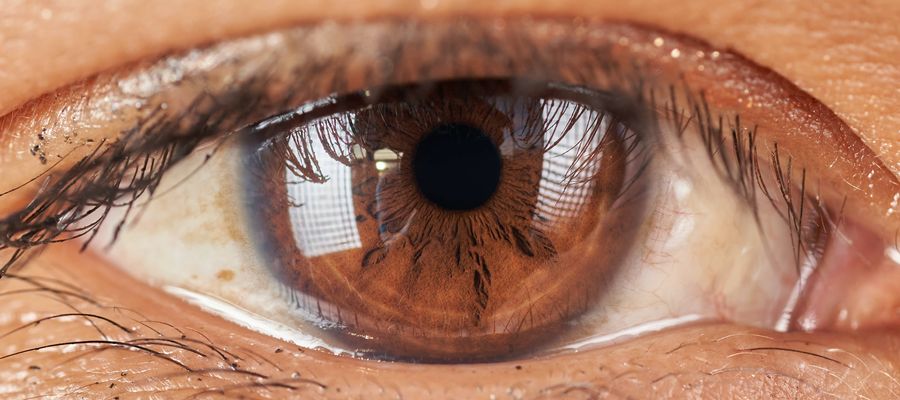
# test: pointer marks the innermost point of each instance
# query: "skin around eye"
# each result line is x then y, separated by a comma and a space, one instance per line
633, 45
874, 349
254, 364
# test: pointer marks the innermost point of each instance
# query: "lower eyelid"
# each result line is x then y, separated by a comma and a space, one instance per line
721, 358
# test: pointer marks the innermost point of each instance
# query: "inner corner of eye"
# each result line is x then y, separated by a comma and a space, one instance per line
469, 220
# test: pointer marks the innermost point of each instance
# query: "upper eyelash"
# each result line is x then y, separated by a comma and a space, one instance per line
744, 172
126, 169
135, 165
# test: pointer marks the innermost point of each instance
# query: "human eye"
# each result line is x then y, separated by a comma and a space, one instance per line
346, 188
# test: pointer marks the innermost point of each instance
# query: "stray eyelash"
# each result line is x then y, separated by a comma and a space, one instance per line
76, 203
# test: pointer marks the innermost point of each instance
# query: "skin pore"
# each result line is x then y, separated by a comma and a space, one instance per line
842, 54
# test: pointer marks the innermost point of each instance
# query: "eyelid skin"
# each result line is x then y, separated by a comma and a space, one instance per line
724, 360
803, 128
831, 49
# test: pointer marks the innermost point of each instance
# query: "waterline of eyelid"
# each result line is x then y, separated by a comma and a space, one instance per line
635, 331
251, 321
262, 325
807, 269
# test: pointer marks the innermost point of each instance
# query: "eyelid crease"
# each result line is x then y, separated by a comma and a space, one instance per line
70, 122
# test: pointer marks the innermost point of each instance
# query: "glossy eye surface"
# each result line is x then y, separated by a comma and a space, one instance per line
452, 222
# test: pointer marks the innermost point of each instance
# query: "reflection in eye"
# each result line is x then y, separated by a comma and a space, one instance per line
487, 215
439, 216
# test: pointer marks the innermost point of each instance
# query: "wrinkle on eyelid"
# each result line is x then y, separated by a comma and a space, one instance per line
130, 349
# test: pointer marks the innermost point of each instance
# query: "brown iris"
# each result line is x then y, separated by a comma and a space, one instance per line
455, 222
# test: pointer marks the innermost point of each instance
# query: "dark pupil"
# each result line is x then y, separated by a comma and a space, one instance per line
457, 167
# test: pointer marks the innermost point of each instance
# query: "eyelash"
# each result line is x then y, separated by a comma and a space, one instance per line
126, 169
743, 170
75, 204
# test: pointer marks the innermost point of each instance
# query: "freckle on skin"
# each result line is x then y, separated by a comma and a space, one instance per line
225, 275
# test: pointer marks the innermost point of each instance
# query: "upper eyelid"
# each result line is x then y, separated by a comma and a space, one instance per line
837, 64
672, 51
